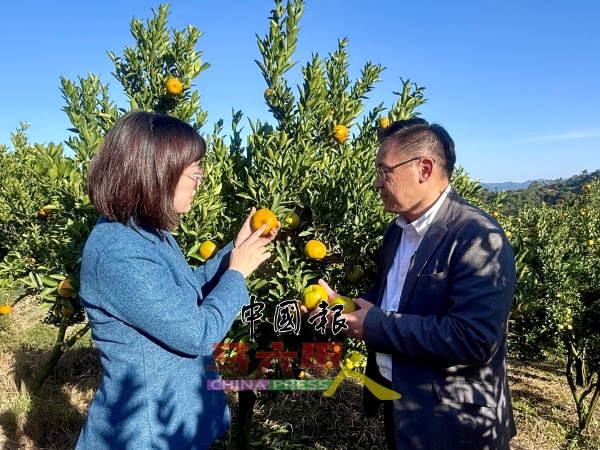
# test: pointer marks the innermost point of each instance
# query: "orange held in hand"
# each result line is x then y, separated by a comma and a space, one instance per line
264, 216
313, 295
315, 249
349, 305
340, 133
174, 86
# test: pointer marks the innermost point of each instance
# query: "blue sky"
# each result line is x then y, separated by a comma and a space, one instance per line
515, 82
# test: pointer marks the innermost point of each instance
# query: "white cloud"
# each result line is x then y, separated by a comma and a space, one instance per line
579, 134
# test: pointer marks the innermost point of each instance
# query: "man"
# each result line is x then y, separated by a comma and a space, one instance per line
435, 323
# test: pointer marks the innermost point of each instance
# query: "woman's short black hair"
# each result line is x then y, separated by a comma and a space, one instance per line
135, 171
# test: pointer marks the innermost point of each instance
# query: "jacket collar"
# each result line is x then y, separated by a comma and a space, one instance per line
146, 231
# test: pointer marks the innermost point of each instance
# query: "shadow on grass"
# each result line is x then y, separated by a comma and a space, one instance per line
550, 369
55, 414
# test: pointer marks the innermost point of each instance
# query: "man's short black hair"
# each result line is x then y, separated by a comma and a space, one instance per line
417, 137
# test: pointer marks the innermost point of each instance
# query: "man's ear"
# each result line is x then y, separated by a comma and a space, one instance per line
426, 168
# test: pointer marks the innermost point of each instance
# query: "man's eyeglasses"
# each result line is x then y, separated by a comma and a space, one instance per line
381, 171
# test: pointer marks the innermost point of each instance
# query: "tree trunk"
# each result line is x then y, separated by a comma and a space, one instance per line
592, 406
60, 347
579, 372
246, 401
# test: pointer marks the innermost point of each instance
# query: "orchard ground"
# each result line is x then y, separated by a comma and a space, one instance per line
544, 407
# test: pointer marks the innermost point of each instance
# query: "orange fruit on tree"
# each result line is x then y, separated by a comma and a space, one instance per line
315, 249
269, 92
65, 289
347, 302
5, 309
67, 310
496, 214
174, 86
355, 274
208, 249
313, 295
293, 221
264, 216
384, 122
340, 133
44, 211
508, 234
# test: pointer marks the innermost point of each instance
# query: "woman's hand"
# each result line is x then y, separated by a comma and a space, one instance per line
246, 229
250, 247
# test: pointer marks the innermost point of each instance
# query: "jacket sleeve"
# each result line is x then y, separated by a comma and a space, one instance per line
480, 289
138, 288
371, 295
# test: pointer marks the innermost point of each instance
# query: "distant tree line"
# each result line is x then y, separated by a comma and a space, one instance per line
550, 192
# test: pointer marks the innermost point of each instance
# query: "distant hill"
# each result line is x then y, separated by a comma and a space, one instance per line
509, 185
535, 192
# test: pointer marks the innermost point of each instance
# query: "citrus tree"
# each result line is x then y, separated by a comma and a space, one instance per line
557, 307
312, 164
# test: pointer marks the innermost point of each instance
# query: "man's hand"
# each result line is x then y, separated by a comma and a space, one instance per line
356, 320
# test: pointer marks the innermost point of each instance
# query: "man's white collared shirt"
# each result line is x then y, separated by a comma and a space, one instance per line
412, 235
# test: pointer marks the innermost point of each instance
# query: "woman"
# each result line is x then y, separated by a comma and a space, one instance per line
154, 319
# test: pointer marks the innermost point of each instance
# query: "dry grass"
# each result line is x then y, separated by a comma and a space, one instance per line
307, 420
544, 408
